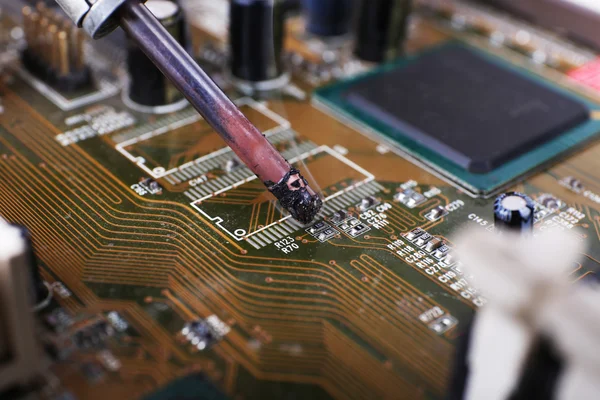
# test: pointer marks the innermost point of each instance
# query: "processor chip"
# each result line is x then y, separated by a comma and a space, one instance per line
467, 109
477, 119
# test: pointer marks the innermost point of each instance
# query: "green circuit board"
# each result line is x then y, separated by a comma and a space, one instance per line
174, 271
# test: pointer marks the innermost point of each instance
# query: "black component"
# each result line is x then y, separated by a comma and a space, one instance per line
151, 185
298, 201
367, 203
93, 336
460, 366
55, 50
514, 211
292, 7
434, 244
539, 374
39, 290
317, 227
422, 239
410, 198
339, 216
200, 334
147, 85
550, 202
441, 251
415, 233
573, 183
382, 29
328, 17
465, 108
232, 164
326, 234
436, 213
75, 80
256, 32
358, 230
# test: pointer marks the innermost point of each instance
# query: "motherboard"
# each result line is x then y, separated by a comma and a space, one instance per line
172, 272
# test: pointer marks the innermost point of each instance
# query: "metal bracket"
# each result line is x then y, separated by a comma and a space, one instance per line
95, 17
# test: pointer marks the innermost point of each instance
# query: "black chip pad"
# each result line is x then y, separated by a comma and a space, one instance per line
465, 108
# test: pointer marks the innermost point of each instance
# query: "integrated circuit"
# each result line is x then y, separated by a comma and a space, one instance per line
467, 109
474, 118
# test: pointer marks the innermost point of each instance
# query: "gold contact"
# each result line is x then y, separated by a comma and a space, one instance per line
53, 39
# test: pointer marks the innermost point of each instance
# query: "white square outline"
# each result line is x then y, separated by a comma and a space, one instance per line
160, 172
218, 220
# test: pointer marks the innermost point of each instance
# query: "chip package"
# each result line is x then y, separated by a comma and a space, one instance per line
472, 117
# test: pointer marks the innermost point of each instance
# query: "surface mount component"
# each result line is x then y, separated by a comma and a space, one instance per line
514, 211
256, 34
367, 203
410, 198
422, 239
382, 28
339, 216
466, 109
434, 244
436, 213
149, 90
572, 183
550, 202
471, 116
415, 233
328, 17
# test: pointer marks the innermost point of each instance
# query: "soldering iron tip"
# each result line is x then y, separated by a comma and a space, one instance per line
296, 196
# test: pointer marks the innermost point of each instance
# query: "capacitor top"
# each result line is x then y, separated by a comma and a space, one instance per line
514, 211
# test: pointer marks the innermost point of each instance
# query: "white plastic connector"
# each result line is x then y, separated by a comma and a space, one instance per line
94, 16
21, 356
525, 280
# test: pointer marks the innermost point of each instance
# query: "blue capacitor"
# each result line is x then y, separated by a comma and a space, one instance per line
514, 211
328, 17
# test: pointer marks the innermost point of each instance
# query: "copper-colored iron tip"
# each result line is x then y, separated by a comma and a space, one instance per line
296, 196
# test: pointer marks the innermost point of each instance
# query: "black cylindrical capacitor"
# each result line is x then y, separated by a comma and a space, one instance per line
382, 29
328, 17
149, 89
514, 211
256, 33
